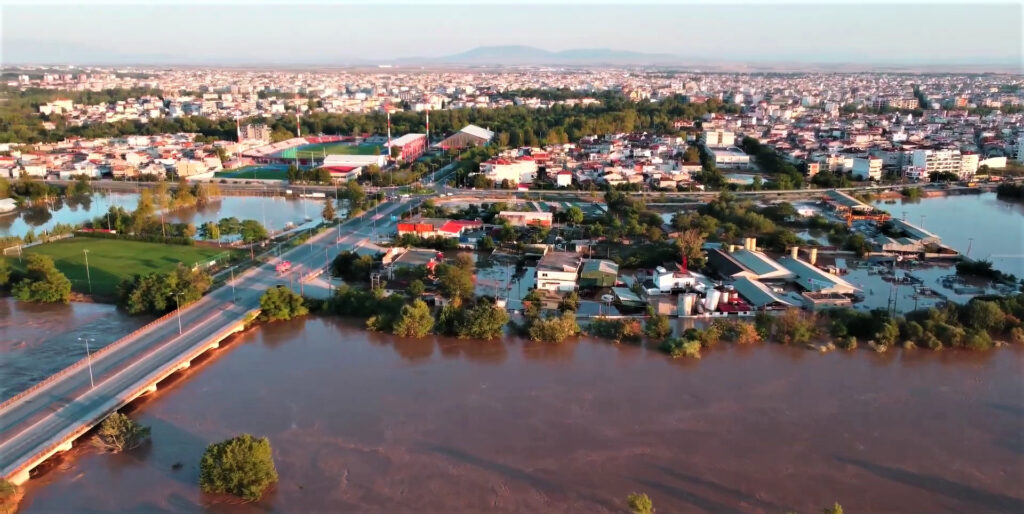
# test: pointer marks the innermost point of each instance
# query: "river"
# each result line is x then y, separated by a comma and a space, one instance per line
38, 340
277, 211
364, 422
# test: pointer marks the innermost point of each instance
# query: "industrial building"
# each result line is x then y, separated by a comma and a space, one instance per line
470, 135
809, 277
411, 146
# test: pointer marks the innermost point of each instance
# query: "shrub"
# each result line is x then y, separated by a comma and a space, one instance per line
553, 329
242, 466
847, 343
120, 433
681, 347
658, 327
640, 503
10, 496
617, 330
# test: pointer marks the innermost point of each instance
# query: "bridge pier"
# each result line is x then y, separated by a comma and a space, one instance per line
150, 390
185, 365
20, 477
213, 346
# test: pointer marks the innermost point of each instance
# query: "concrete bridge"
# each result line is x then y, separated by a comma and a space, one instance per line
49, 417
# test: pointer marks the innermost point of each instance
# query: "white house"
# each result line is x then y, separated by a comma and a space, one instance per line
558, 271
523, 169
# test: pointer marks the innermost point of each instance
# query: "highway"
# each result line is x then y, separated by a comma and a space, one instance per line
65, 406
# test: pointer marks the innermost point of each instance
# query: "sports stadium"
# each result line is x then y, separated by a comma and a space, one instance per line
309, 151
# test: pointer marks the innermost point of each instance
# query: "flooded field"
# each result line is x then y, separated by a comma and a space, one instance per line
37, 340
979, 226
276, 211
366, 422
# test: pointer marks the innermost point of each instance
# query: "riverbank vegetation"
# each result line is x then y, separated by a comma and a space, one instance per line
41, 282
281, 304
159, 293
119, 433
1010, 191
10, 496
242, 466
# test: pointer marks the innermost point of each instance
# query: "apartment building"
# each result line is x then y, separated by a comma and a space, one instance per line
928, 161
515, 171
718, 138
867, 168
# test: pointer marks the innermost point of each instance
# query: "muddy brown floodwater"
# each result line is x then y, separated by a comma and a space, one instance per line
364, 422
38, 340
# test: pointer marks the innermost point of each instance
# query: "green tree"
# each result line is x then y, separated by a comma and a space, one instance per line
570, 302
328, 212
553, 329
984, 315
281, 303
455, 281
252, 231
416, 288
242, 466
574, 215
43, 283
640, 503
657, 326
209, 231
5, 272
485, 244
352, 267
119, 433
415, 320
189, 230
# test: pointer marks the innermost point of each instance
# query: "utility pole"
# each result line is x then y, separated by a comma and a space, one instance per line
177, 302
88, 278
88, 356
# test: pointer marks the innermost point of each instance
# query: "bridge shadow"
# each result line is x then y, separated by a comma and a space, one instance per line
735, 494
698, 501
984, 500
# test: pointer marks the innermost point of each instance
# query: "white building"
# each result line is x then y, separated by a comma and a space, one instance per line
928, 161
718, 138
731, 157
522, 170
867, 168
557, 271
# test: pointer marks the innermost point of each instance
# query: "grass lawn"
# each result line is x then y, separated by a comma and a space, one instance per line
111, 261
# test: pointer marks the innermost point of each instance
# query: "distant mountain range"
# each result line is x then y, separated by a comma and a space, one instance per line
520, 55
50, 52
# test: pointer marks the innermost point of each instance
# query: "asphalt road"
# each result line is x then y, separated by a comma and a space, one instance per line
49, 414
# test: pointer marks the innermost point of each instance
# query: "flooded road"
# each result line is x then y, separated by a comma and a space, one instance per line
366, 422
38, 340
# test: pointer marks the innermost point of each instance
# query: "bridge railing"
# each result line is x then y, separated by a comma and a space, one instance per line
121, 399
95, 355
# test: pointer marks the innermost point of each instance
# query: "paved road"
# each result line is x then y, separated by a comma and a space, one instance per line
47, 415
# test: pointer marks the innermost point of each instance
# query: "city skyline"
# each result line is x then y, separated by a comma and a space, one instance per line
686, 35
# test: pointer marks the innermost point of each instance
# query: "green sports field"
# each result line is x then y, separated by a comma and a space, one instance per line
321, 149
111, 260
255, 172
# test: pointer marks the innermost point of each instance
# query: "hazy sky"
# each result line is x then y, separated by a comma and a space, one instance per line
869, 33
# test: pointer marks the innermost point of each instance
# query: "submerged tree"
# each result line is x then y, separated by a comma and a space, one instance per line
242, 466
119, 433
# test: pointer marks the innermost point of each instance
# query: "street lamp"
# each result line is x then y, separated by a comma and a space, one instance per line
87, 277
177, 302
233, 300
88, 356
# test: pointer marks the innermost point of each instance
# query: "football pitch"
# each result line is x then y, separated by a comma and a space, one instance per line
321, 149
